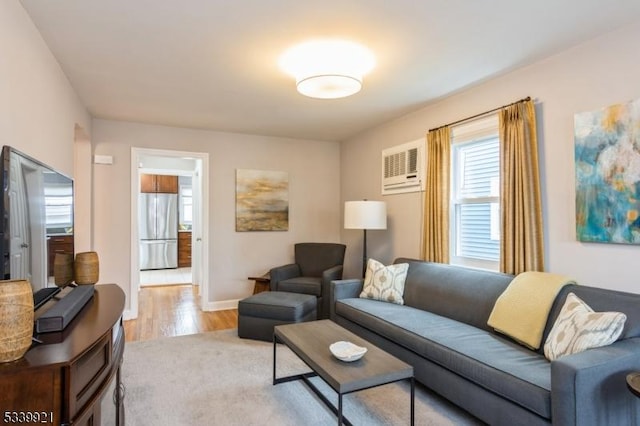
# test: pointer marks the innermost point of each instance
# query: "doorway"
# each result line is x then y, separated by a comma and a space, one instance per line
190, 167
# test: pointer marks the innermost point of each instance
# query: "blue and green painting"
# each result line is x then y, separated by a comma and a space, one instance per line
607, 156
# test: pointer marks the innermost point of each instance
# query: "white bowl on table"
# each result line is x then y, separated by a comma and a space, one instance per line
347, 351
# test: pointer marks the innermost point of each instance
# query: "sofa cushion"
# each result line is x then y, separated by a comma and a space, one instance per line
579, 328
463, 294
385, 283
490, 361
304, 285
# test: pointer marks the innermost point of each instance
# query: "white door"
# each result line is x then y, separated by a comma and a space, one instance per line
19, 232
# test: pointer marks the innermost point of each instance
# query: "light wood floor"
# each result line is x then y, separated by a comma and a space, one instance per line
173, 311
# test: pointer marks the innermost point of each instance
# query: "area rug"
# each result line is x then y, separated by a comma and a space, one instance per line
217, 378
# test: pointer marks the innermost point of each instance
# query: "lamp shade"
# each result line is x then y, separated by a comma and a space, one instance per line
365, 215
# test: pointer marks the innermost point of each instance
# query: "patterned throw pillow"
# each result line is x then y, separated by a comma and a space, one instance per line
579, 328
385, 283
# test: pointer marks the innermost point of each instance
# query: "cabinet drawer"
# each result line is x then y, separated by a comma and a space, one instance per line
88, 373
61, 239
61, 248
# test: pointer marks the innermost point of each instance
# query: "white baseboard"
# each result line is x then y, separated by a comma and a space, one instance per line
222, 305
128, 314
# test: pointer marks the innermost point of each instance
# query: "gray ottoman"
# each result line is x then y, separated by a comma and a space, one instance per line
258, 314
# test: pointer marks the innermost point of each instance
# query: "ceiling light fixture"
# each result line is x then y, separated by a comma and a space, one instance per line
328, 69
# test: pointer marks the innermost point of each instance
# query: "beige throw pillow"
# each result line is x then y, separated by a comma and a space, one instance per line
579, 328
385, 283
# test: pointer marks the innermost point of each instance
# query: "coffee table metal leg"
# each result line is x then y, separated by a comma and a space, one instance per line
413, 404
275, 340
338, 412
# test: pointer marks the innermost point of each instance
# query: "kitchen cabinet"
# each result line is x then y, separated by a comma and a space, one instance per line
58, 244
158, 184
184, 249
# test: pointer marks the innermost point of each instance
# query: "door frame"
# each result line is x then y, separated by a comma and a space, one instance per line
200, 245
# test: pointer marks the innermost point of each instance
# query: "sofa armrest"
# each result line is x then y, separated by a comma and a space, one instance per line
334, 273
343, 289
589, 388
282, 273
329, 275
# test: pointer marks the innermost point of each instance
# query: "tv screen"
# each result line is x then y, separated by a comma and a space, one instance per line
37, 206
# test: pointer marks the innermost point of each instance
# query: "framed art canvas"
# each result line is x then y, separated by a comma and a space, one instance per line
607, 161
262, 200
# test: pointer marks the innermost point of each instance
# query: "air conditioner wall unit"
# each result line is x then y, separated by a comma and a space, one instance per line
403, 168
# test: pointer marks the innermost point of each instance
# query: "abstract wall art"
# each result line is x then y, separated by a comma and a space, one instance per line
262, 200
607, 161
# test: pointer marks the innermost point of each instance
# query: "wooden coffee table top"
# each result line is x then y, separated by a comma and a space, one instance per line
311, 340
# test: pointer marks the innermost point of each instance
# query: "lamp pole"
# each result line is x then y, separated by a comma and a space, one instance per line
364, 254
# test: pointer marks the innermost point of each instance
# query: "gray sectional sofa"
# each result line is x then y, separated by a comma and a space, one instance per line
442, 331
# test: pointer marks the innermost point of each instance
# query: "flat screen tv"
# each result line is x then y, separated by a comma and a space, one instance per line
37, 205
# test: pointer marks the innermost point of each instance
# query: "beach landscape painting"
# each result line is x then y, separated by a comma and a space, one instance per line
262, 200
607, 160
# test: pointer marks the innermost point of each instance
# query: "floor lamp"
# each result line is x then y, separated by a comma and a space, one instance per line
365, 215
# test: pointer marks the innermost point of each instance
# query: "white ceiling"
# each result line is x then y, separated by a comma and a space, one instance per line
212, 64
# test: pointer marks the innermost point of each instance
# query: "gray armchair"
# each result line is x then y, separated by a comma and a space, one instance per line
316, 265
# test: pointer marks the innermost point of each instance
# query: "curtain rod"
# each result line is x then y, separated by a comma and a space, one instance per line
528, 98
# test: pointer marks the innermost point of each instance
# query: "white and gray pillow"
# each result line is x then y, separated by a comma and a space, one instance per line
385, 283
579, 328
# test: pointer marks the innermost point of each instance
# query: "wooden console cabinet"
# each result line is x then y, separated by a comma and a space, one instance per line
69, 377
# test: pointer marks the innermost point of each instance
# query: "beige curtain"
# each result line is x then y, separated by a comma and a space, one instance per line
435, 241
521, 242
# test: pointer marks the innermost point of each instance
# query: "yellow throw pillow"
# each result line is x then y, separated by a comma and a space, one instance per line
385, 283
579, 328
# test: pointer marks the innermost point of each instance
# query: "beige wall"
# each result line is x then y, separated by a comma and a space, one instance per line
601, 72
39, 110
314, 199
38, 107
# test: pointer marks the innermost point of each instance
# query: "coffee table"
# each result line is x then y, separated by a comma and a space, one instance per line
310, 342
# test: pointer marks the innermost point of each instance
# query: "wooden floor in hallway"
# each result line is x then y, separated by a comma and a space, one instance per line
173, 310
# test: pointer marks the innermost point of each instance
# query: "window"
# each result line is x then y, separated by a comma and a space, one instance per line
475, 195
185, 213
58, 204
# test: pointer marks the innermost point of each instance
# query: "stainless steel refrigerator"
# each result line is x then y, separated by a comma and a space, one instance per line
158, 225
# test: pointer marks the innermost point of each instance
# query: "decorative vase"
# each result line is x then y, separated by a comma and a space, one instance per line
86, 268
63, 269
16, 319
